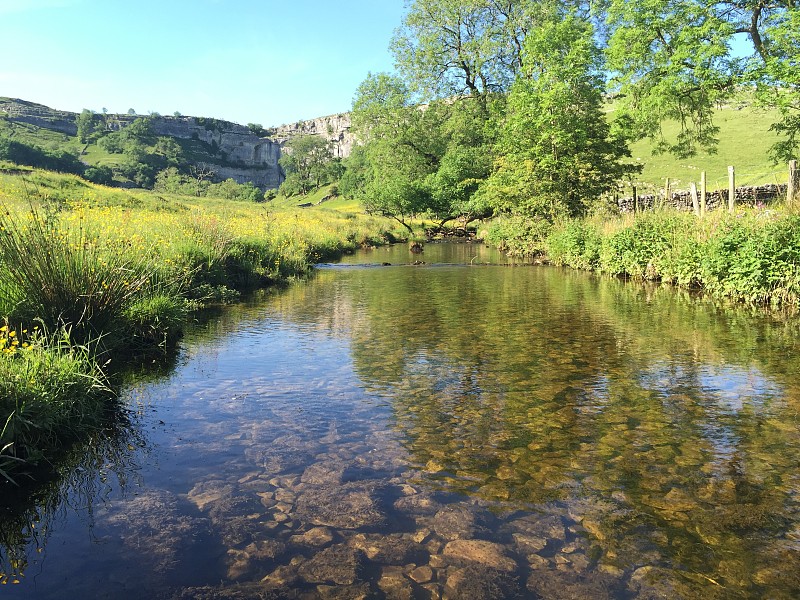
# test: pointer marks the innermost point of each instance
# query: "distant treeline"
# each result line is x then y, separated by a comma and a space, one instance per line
30, 155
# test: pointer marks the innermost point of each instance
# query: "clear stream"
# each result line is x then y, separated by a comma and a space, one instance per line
438, 431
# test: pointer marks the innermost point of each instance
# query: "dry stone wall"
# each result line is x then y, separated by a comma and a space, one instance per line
746, 195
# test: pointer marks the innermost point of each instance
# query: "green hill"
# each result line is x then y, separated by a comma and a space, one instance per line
744, 142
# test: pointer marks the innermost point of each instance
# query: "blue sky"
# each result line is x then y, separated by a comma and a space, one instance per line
248, 61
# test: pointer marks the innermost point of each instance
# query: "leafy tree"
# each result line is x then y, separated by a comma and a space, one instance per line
672, 60
140, 131
256, 128
306, 163
35, 156
456, 47
101, 174
232, 190
86, 124
401, 148
170, 149
113, 143
441, 150
131, 111
556, 153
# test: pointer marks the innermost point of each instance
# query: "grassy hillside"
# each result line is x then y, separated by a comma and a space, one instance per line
745, 140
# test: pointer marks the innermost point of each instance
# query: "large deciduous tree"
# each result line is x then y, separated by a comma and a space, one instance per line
556, 152
417, 158
461, 47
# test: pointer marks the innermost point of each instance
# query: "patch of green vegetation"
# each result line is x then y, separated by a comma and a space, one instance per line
752, 256
51, 392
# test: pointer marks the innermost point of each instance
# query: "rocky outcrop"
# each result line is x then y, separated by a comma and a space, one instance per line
21, 111
334, 128
234, 151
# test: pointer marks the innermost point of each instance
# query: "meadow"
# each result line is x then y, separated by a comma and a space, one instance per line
90, 274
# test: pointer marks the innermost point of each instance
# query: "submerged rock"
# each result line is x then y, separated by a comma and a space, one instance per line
478, 582
393, 549
340, 564
485, 553
567, 584
315, 537
348, 506
158, 534
459, 522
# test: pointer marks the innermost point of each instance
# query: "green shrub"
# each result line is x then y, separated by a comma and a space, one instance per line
519, 235
155, 320
575, 244
752, 261
641, 250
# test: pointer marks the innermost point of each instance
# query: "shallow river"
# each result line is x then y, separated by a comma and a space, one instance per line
434, 430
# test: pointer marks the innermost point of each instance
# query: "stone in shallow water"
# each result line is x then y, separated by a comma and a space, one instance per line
422, 574
284, 576
206, 492
550, 528
567, 584
485, 553
338, 564
418, 505
477, 582
315, 537
392, 549
155, 522
460, 522
324, 473
245, 591
396, 586
347, 506
350, 592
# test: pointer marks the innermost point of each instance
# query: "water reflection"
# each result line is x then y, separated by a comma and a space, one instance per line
667, 429
87, 475
425, 431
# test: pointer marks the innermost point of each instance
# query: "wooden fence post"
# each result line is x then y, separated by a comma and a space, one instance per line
635, 201
667, 194
703, 190
695, 202
731, 188
792, 187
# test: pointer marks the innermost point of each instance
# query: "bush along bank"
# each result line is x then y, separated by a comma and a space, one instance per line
88, 280
751, 257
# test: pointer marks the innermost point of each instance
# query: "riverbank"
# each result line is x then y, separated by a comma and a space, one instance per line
751, 257
91, 274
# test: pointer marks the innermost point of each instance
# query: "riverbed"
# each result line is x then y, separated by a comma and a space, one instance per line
439, 425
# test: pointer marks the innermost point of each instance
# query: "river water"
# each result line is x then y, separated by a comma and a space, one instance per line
438, 430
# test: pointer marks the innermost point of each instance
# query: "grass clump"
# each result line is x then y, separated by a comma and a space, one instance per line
51, 391
67, 277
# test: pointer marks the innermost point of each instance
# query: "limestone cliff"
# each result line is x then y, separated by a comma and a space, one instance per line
334, 128
235, 151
